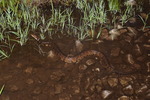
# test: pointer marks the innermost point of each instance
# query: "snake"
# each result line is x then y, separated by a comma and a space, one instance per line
70, 59
77, 58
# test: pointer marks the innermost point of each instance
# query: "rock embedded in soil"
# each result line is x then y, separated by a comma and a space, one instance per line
146, 46
137, 50
37, 90
124, 98
113, 82
28, 70
128, 90
79, 45
82, 67
142, 89
115, 52
14, 88
129, 59
148, 66
132, 32
29, 81
124, 81
106, 94
58, 89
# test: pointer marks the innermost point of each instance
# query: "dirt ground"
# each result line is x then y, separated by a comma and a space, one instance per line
27, 75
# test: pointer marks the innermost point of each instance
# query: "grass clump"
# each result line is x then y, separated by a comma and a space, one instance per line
19, 19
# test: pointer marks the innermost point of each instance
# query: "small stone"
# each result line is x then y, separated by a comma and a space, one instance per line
79, 45
76, 89
28, 70
29, 81
119, 27
142, 89
146, 46
148, 66
132, 32
82, 67
51, 54
106, 93
58, 89
115, 51
14, 88
129, 59
114, 32
137, 50
19, 65
124, 98
37, 90
125, 80
98, 88
90, 62
112, 37
113, 82
128, 90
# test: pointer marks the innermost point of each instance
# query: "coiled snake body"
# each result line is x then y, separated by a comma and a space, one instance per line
77, 58
71, 59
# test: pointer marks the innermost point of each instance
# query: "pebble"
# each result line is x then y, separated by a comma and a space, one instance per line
137, 50
128, 90
14, 88
51, 54
58, 89
129, 59
82, 67
142, 89
113, 82
37, 90
98, 88
115, 52
79, 45
124, 98
106, 93
148, 66
29, 81
146, 46
124, 81
114, 32
132, 32
76, 89
28, 70
90, 62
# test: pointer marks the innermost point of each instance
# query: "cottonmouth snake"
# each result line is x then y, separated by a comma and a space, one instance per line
77, 58
71, 59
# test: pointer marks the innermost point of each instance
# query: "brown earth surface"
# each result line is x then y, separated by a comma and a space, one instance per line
27, 75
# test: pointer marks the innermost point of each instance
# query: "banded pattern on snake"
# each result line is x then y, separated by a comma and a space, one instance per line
72, 59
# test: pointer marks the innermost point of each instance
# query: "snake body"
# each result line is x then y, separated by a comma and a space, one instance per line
71, 59
77, 58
